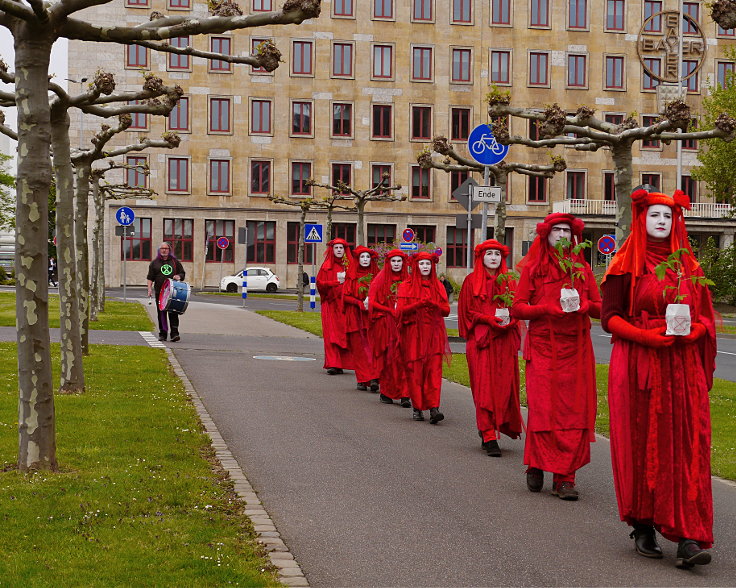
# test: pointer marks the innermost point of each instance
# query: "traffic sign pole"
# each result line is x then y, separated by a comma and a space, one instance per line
125, 256
312, 279
484, 222
244, 292
469, 231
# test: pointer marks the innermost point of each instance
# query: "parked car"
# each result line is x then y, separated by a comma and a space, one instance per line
259, 278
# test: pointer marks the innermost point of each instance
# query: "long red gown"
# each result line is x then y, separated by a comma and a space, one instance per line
334, 335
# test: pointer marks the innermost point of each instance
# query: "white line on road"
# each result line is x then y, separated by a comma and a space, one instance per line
152, 340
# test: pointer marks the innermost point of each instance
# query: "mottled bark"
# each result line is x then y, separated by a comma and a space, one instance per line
82, 185
499, 229
622, 178
360, 210
97, 286
72, 369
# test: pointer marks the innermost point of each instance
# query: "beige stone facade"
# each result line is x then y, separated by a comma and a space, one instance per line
590, 56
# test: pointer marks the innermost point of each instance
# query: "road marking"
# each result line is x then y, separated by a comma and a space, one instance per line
152, 340
727, 353
283, 358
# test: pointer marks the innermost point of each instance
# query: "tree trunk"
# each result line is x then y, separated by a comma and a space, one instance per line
499, 231
622, 175
80, 234
300, 264
360, 208
328, 225
72, 369
36, 418
97, 251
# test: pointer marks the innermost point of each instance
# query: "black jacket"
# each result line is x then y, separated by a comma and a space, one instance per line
160, 270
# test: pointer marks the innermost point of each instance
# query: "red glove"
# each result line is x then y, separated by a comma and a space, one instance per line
697, 330
647, 337
492, 321
524, 311
414, 307
554, 309
584, 307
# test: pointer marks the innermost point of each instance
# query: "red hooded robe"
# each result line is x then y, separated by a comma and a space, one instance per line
334, 334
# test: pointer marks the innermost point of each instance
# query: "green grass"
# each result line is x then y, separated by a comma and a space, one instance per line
136, 501
273, 296
118, 316
311, 322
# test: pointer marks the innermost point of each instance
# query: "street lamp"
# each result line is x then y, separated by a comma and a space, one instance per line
81, 114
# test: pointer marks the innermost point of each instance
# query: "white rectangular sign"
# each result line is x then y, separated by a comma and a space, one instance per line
487, 193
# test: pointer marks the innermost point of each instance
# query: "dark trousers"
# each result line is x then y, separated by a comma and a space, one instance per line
167, 320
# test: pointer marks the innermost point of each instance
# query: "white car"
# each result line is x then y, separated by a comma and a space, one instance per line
259, 278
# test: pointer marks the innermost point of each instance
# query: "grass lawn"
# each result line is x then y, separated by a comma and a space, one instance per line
722, 396
267, 295
137, 501
118, 316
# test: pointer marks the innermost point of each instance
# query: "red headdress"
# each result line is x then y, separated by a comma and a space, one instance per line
331, 261
414, 284
540, 258
355, 271
381, 284
477, 279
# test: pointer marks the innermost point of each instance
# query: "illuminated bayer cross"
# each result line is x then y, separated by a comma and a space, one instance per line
661, 42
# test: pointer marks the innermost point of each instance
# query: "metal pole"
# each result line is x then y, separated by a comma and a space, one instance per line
484, 223
125, 256
681, 93
244, 291
312, 279
469, 252
222, 256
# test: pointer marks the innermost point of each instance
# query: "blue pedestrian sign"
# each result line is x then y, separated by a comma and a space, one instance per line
312, 233
408, 246
484, 148
125, 216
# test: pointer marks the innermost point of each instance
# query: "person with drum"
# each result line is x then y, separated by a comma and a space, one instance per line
164, 267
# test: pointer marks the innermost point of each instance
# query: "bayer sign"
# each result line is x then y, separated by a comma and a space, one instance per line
484, 148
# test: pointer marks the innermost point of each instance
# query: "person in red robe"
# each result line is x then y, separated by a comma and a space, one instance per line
422, 306
492, 345
383, 330
560, 365
330, 280
658, 384
361, 270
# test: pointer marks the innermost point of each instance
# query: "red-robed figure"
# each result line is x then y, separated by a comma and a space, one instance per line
330, 280
360, 272
422, 306
560, 365
658, 384
383, 329
492, 345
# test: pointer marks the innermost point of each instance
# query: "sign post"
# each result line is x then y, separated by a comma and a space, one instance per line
222, 244
125, 217
313, 234
607, 246
243, 240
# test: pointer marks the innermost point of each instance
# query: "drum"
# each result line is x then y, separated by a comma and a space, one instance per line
174, 296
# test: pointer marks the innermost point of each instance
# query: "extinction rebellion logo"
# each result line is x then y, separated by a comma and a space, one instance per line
659, 38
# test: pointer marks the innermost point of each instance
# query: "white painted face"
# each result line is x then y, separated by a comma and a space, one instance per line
559, 231
338, 249
659, 221
364, 259
425, 267
492, 259
397, 262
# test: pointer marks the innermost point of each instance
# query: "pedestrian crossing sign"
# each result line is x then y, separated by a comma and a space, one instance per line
312, 233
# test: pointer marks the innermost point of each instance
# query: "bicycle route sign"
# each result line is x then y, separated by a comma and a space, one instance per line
484, 148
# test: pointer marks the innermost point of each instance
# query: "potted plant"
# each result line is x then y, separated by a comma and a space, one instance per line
565, 254
506, 296
364, 283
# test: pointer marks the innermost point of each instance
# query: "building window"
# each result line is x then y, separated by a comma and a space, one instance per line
261, 246
344, 231
421, 123
292, 245
649, 121
422, 10
462, 11
725, 73
691, 144
575, 185
690, 187
179, 115
380, 173
214, 229
726, 32
219, 176
262, 5
461, 66
420, 183
301, 118
383, 61
343, 8
614, 119
137, 171
578, 14
614, 72
137, 3
456, 180
136, 56
576, 71
457, 247
459, 124
301, 64
381, 124
178, 174
652, 7
609, 186
383, 9
380, 234
301, 172
424, 233
342, 60
138, 247
342, 116
692, 9
260, 177
654, 180
692, 83
223, 46
139, 119
220, 115
654, 65
539, 13
177, 61
538, 69
501, 67
341, 173
501, 12
254, 47
534, 129
421, 64
537, 189
179, 4
260, 117
614, 15
179, 233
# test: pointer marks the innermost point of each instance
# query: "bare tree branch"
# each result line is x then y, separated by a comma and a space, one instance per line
17, 10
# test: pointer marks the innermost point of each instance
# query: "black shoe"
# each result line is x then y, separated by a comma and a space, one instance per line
435, 416
492, 448
417, 416
645, 541
162, 337
405, 402
565, 491
534, 479
385, 399
374, 385
333, 371
689, 554
361, 385
175, 337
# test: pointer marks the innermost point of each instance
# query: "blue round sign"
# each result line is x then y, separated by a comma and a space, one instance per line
607, 244
484, 148
408, 235
438, 251
125, 216
223, 242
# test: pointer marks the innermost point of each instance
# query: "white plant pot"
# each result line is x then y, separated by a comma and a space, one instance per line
678, 319
503, 314
569, 299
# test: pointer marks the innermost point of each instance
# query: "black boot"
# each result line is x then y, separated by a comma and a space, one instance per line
385, 399
333, 371
417, 416
435, 416
374, 385
492, 448
534, 479
405, 402
645, 541
689, 553
362, 386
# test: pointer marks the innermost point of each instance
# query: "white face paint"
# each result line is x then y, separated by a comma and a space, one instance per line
364, 259
338, 249
559, 231
425, 267
659, 221
492, 259
397, 263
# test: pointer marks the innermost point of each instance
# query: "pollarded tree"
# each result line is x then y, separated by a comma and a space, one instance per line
499, 171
